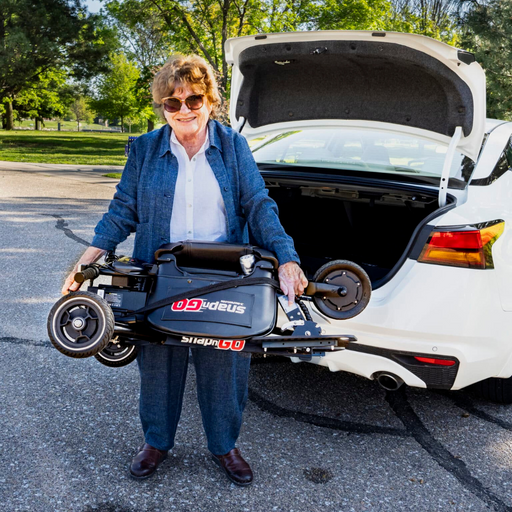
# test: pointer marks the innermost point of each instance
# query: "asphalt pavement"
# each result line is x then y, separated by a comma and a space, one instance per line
316, 440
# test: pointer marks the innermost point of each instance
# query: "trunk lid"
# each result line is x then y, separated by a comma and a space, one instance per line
357, 78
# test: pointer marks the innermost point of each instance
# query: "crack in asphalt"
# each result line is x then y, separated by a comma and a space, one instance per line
465, 403
61, 224
21, 341
456, 467
323, 421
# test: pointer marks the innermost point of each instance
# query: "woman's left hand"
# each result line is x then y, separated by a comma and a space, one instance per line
292, 280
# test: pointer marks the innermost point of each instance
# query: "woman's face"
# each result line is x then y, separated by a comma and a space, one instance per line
188, 123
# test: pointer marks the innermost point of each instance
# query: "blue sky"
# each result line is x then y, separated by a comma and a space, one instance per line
93, 5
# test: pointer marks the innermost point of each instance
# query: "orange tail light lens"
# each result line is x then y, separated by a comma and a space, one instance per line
468, 248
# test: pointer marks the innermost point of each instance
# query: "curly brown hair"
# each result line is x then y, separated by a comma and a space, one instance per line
185, 70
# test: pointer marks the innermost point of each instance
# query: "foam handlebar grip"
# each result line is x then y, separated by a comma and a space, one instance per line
88, 273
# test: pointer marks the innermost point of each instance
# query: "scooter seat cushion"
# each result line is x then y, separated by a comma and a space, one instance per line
213, 255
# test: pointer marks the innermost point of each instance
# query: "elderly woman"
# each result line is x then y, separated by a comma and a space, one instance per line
193, 179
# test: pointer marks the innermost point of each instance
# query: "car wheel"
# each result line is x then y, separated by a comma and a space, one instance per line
495, 390
353, 279
117, 354
80, 324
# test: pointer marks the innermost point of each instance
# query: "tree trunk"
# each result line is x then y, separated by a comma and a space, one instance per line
122, 124
151, 125
38, 123
9, 118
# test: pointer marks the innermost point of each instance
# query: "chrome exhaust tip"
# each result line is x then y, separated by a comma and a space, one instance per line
388, 381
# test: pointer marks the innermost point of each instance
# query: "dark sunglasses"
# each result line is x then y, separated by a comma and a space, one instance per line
173, 104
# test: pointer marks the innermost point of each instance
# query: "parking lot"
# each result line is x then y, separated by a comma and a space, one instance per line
316, 440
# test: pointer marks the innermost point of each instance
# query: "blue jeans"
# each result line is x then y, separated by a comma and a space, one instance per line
222, 391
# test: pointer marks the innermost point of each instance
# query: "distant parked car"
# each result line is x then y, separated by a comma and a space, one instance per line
376, 148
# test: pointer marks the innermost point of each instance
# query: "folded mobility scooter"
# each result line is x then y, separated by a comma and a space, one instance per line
203, 294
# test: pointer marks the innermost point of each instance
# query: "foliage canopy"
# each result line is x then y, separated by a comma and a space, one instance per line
47, 36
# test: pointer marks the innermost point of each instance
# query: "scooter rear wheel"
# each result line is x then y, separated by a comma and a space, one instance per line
80, 324
353, 280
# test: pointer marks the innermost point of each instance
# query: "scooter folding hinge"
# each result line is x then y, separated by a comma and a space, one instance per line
293, 312
301, 326
447, 165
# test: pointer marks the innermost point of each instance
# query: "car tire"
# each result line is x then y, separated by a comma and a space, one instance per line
495, 390
80, 324
117, 354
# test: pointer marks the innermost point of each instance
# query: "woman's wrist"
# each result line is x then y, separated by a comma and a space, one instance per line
91, 255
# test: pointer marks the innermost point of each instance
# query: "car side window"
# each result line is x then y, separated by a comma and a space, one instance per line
502, 166
508, 152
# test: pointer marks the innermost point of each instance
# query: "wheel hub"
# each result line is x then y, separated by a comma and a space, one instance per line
78, 323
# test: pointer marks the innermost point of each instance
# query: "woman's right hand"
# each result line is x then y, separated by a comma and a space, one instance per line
91, 255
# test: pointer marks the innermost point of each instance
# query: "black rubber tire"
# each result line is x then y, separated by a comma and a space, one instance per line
116, 356
355, 274
99, 324
495, 390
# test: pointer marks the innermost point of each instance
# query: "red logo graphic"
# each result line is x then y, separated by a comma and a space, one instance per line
187, 305
203, 305
235, 345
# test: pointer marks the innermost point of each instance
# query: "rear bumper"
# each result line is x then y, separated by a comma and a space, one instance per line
434, 376
433, 311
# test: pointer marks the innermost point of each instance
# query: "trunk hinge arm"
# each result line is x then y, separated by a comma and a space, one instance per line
239, 124
447, 165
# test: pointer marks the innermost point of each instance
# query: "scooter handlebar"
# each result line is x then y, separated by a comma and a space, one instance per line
86, 274
327, 290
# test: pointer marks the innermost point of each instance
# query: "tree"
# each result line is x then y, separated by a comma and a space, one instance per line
141, 32
432, 18
487, 32
47, 35
80, 111
115, 97
47, 96
146, 44
203, 26
352, 15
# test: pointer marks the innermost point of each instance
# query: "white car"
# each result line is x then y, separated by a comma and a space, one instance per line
376, 148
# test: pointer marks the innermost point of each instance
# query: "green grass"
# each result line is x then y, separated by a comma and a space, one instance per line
79, 148
116, 175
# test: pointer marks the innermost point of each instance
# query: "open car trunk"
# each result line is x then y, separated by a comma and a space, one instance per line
371, 227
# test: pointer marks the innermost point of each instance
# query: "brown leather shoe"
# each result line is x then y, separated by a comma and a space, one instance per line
235, 467
146, 462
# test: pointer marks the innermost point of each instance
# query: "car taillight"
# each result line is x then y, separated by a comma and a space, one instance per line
469, 248
432, 360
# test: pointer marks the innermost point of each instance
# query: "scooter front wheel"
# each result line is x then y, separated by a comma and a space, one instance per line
80, 324
352, 280
117, 353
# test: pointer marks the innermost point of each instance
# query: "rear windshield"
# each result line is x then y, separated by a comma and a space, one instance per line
359, 150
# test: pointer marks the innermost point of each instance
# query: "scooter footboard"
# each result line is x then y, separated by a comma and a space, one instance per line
300, 346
